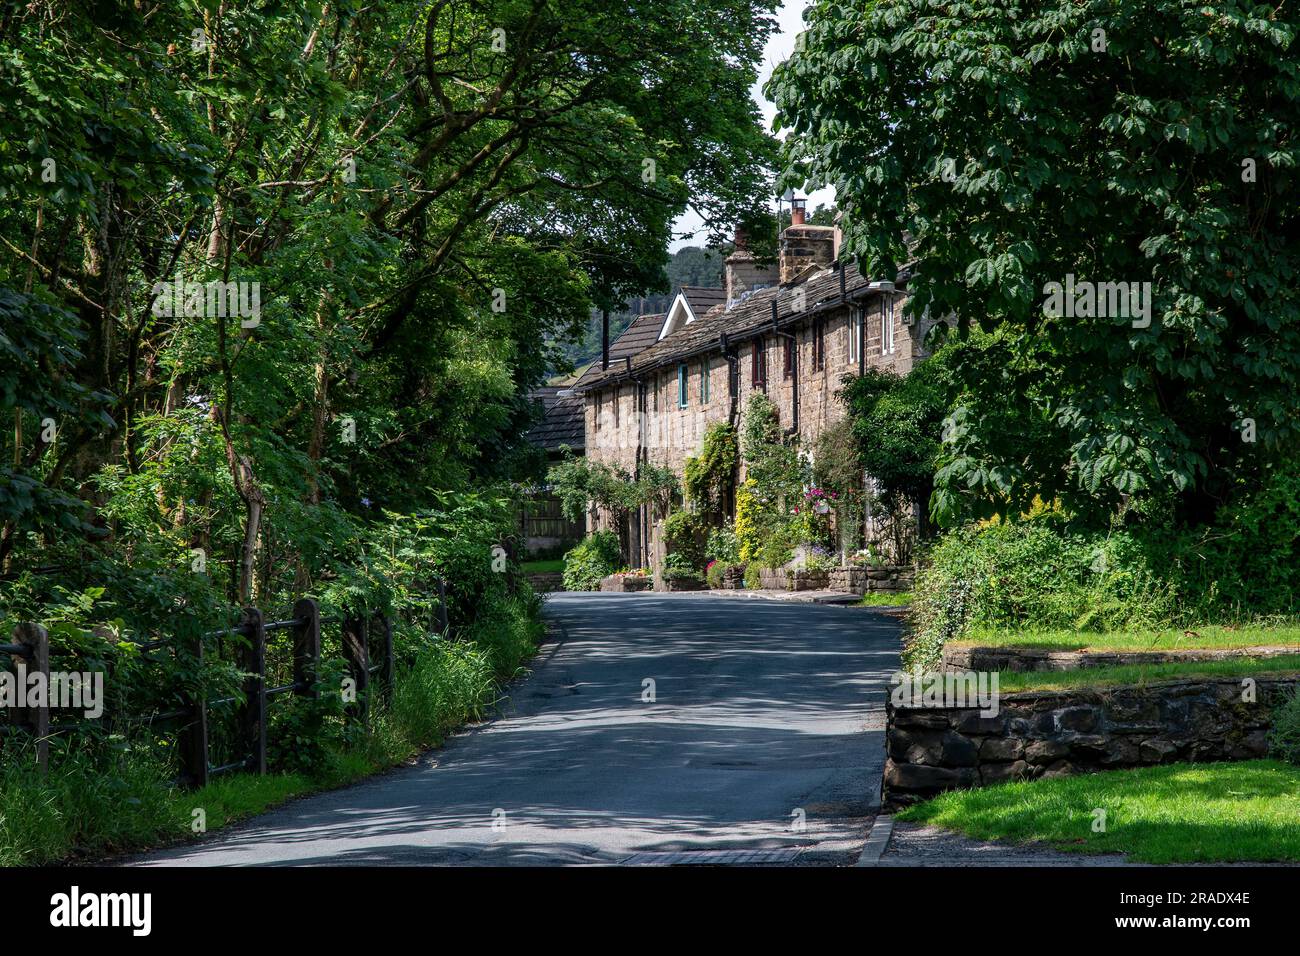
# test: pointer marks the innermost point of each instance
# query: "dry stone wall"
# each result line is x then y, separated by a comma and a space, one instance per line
1051, 733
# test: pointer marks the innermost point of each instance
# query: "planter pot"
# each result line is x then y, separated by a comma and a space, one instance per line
625, 583
733, 579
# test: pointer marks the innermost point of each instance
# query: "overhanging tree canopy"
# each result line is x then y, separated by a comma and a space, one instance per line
1021, 144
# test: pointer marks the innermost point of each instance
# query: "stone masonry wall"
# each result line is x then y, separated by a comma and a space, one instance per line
1052, 733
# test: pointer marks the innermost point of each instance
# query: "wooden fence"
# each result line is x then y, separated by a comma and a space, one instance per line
367, 655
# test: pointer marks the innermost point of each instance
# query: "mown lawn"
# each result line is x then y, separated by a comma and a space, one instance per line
543, 567
1180, 813
1012, 681
1200, 637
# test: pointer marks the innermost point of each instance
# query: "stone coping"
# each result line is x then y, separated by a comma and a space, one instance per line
974, 657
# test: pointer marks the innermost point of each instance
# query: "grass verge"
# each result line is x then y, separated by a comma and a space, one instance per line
886, 599
1180, 813
85, 811
1165, 640
1011, 681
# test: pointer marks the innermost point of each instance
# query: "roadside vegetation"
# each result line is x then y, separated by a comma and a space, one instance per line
88, 808
276, 283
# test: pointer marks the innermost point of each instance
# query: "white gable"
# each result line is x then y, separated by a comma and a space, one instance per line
679, 314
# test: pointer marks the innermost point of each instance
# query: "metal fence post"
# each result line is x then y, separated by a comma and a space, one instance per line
194, 735
37, 661
306, 647
442, 606
253, 662
386, 666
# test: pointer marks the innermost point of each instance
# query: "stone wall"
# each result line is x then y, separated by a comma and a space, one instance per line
863, 580
1052, 733
543, 581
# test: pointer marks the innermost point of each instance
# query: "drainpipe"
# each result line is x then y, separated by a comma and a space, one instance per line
794, 372
733, 377
643, 531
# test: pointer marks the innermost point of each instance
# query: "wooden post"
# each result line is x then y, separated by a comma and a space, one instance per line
386, 666
356, 654
306, 647
37, 640
194, 735
252, 720
442, 607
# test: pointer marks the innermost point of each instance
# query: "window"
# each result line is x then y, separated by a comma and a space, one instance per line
704, 381
655, 385
618, 397
758, 364
600, 400
787, 368
682, 398
887, 326
819, 344
856, 330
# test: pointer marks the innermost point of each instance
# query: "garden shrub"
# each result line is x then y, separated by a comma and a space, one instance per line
1035, 574
749, 534
678, 567
591, 559
722, 546
684, 536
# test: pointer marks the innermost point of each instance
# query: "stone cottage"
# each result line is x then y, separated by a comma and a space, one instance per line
793, 332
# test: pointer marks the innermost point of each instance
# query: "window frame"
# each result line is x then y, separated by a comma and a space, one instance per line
857, 333
683, 391
704, 379
887, 344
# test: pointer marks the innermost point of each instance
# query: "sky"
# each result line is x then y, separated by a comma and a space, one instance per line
779, 46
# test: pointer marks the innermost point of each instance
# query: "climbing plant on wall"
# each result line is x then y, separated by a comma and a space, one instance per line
710, 475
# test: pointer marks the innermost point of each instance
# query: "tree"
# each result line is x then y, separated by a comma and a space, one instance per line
413, 205
1006, 147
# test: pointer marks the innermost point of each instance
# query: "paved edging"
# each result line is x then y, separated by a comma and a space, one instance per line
878, 841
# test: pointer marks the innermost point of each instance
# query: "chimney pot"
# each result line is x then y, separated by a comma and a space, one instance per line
798, 211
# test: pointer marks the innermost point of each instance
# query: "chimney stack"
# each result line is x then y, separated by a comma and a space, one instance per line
806, 248
742, 272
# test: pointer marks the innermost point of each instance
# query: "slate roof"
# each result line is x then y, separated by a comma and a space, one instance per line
562, 423
701, 298
636, 338
743, 320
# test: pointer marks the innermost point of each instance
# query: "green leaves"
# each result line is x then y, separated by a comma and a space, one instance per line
1122, 164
